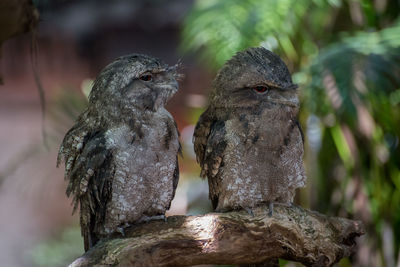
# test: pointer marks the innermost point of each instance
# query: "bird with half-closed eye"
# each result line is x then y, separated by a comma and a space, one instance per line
249, 142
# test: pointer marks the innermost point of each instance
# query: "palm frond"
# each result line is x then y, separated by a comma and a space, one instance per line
221, 28
360, 68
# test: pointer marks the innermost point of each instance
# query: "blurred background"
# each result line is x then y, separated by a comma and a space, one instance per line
344, 54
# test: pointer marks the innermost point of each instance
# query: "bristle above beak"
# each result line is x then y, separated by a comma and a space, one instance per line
175, 68
292, 87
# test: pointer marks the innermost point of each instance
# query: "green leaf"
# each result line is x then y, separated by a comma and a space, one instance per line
221, 28
342, 147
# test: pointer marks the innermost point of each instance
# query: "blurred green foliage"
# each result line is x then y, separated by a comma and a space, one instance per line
59, 251
221, 28
345, 54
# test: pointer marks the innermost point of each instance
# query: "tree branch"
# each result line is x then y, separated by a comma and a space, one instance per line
292, 233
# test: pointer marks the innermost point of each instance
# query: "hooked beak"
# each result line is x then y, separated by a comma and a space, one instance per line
288, 102
291, 101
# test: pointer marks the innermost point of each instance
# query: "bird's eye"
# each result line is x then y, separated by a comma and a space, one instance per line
146, 77
261, 89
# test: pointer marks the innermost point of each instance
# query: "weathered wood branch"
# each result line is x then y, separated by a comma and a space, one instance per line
292, 233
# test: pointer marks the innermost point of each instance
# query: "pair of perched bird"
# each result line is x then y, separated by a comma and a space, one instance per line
121, 155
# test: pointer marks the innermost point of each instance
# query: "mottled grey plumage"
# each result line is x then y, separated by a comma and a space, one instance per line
248, 141
121, 155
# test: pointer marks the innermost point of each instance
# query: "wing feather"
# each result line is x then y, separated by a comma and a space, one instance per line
90, 176
209, 144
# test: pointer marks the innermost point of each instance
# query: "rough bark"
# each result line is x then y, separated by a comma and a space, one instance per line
291, 233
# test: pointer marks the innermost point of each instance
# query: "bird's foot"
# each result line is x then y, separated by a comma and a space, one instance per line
271, 208
159, 217
121, 229
146, 219
249, 211
164, 218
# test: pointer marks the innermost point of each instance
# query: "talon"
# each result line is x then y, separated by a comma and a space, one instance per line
271, 209
158, 217
146, 219
121, 231
249, 211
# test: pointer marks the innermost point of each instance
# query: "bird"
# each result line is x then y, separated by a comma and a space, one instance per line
121, 156
248, 141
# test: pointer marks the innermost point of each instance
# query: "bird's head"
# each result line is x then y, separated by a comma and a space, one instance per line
134, 81
254, 77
